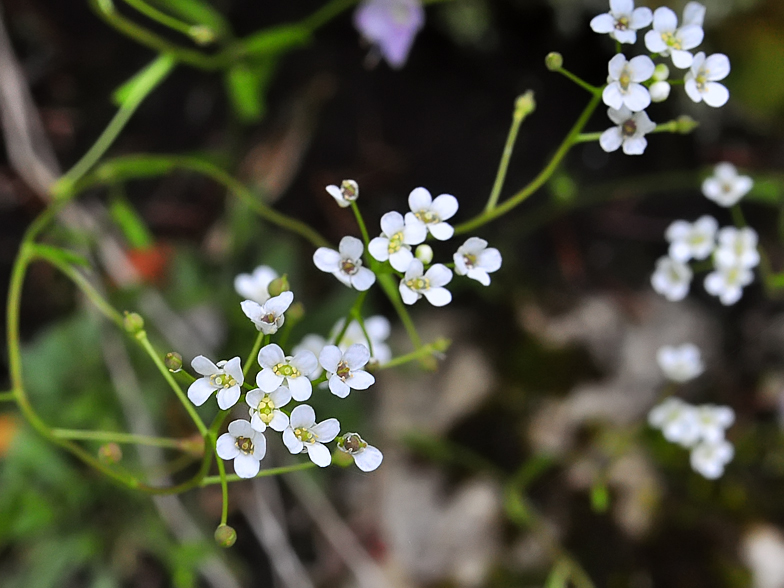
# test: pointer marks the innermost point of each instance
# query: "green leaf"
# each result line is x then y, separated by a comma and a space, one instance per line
769, 190
141, 83
247, 85
198, 13
63, 255
273, 40
131, 224
600, 497
134, 167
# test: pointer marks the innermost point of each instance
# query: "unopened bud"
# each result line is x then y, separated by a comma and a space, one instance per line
659, 91
661, 72
225, 536
686, 124
424, 253
296, 311
441, 344
110, 453
553, 61
524, 105
133, 323
173, 361
279, 285
349, 189
202, 35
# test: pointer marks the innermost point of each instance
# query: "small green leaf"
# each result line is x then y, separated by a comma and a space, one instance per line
141, 83
134, 167
273, 40
768, 190
246, 85
600, 497
131, 224
198, 13
63, 255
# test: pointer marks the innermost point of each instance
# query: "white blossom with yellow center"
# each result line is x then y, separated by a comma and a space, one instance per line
277, 368
367, 457
346, 263
345, 369
417, 283
244, 445
671, 278
666, 38
701, 82
432, 212
268, 317
692, 240
397, 236
476, 260
624, 83
225, 378
623, 21
265, 409
725, 187
305, 435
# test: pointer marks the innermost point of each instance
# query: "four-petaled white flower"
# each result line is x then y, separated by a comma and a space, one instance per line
245, 446
680, 364
303, 434
727, 282
226, 378
345, 369
666, 38
671, 278
476, 260
623, 20
268, 317
265, 410
367, 457
345, 194
378, 330
709, 459
624, 82
692, 240
714, 420
254, 286
397, 236
725, 187
701, 82
677, 420
391, 25
737, 247
346, 263
414, 284
278, 368
432, 213
630, 132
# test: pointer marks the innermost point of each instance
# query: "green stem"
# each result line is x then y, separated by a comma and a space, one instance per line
430, 349
539, 180
388, 285
209, 480
580, 82
111, 436
737, 216
353, 312
587, 137
361, 322
361, 223
253, 353
7, 396
160, 17
224, 488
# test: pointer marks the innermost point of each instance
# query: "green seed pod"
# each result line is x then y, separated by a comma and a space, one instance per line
133, 323
173, 361
225, 536
279, 285
553, 61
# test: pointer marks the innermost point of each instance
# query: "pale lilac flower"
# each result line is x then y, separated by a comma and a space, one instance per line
476, 260
666, 38
623, 20
245, 446
671, 278
624, 82
680, 364
432, 213
367, 457
346, 263
255, 286
226, 378
737, 247
265, 410
714, 421
727, 282
345, 194
303, 434
391, 25
414, 284
709, 459
268, 317
397, 236
702, 80
378, 330
345, 368
630, 132
278, 368
677, 420
692, 240
725, 187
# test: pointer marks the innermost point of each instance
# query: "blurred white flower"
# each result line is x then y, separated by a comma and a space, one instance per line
277, 368
414, 284
727, 282
714, 420
268, 317
702, 80
245, 446
671, 278
303, 434
709, 459
692, 240
346, 263
666, 38
677, 421
378, 330
254, 286
630, 132
623, 20
367, 457
725, 187
682, 363
737, 247
397, 236
313, 343
265, 409
345, 194
432, 213
624, 82
226, 378
476, 260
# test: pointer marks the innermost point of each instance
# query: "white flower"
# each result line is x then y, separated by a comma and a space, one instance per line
303, 434
737, 247
345, 369
367, 457
622, 21
346, 264
692, 241
345, 194
659, 91
475, 260
725, 187
702, 80
245, 446
414, 284
254, 286
278, 368
630, 132
397, 236
727, 282
680, 364
714, 420
677, 420
432, 213
313, 343
378, 330
226, 377
693, 14
268, 317
709, 459
625, 79
265, 409
666, 38
671, 278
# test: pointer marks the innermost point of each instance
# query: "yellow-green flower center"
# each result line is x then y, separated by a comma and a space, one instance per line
286, 370
469, 259
622, 23
395, 242
672, 41
269, 318
625, 79
420, 283
222, 381
265, 410
245, 445
304, 435
428, 216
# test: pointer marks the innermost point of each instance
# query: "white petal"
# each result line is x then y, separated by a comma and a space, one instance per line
280, 304
665, 20
326, 430
441, 231
717, 66
226, 447
338, 387
692, 91
240, 428
439, 275
419, 199
641, 17
604, 23
204, 366
257, 424
681, 59
351, 248
270, 356
246, 466
253, 397
228, 397
438, 296
199, 391
615, 66
279, 421
635, 145
445, 206
361, 380
356, 356
291, 442
611, 139
327, 260
363, 279
368, 459
690, 36
627, 36
301, 388
379, 248
305, 361
391, 223
414, 232
401, 259
267, 380
407, 294
329, 358
319, 455
612, 96
654, 42
637, 98
303, 417
715, 94
479, 275
621, 7
280, 397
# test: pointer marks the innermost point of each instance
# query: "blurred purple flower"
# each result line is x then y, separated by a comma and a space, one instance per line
391, 25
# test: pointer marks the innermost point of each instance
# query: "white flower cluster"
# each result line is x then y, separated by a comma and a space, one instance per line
399, 233
632, 84
734, 251
699, 428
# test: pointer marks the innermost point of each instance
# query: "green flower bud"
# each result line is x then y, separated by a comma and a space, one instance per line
225, 536
202, 35
110, 453
173, 361
279, 285
686, 124
553, 61
524, 105
133, 323
295, 312
424, 253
